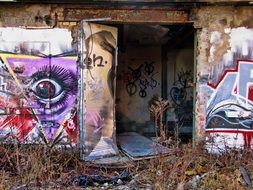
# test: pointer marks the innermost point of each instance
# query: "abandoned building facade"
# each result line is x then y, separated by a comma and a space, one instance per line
85, 73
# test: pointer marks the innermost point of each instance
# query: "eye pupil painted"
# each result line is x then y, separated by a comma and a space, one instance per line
46, 89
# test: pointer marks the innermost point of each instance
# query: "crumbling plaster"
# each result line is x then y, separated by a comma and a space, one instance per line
213, 20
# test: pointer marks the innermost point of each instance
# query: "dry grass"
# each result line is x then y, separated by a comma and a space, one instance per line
34, 167
189, 168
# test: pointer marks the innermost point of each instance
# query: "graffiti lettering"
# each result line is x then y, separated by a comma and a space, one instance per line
228, 94
142, 93
149, 67
99, 59
95, 61
131, 88
178, 95
88, 62
153, 83
136, 73
183, 100
143, 86
140, 79
233, 94
178, 92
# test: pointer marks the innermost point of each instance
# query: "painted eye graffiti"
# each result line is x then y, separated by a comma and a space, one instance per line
53, 85
47, 89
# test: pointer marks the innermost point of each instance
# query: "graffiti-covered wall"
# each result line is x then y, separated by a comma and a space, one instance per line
98, 73
180, 89
138, 81
38, 77
230, 88
223, 76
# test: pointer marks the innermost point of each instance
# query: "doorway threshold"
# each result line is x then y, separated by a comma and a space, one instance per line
138, 147
117, 161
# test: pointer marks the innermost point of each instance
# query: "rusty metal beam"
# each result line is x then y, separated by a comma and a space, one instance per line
128, 16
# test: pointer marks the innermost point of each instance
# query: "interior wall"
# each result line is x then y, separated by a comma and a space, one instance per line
139, 79
178, 60
179, 80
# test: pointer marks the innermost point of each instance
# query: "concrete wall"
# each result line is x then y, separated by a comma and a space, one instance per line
224, 62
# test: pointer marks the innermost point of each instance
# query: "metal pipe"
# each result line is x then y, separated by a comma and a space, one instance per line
81, 67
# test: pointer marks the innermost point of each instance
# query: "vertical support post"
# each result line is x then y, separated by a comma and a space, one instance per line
114, 92
81, 67
194, 90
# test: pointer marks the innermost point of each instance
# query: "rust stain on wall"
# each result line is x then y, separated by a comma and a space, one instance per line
26, 15
133, 16
243, 17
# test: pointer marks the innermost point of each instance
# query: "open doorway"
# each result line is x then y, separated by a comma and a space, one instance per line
155, 61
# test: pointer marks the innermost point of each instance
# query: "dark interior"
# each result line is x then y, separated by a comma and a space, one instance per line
176, 47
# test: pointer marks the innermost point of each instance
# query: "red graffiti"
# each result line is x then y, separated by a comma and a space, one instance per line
71, 129
127, 76
247, 135
250, 93
21, 122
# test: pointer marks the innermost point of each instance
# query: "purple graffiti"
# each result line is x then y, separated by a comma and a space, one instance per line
50, 85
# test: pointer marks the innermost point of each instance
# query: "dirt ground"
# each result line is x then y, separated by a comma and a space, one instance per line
26, 167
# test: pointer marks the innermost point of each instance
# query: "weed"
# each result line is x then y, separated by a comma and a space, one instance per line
35, 167
157, 108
